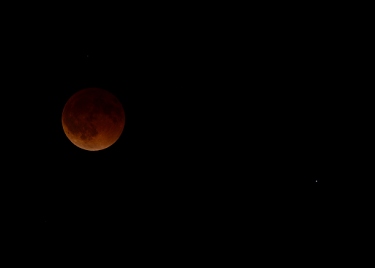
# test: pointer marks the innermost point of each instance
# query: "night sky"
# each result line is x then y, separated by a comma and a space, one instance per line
154, 171
216, 128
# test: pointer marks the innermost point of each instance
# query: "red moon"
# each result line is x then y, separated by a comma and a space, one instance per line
93, 119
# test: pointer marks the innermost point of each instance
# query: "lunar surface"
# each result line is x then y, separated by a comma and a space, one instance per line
93, 119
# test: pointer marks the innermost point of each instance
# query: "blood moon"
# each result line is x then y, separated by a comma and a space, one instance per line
93, 119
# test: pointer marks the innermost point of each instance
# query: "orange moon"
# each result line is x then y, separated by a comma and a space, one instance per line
93, 119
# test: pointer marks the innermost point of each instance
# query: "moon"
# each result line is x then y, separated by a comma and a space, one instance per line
93, 119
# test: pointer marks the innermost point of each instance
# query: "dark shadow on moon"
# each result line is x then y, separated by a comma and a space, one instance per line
90, 113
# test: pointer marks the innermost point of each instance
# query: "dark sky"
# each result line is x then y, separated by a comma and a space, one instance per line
156, 167
215, 126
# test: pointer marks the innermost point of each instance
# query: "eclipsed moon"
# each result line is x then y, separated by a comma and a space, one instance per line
93, 119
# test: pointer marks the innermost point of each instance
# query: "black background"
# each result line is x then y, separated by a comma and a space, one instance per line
161, 169
227, 118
